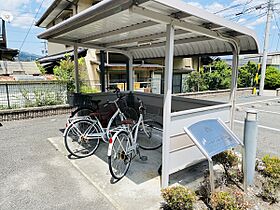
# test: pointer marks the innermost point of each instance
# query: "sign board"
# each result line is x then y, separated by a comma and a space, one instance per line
212, 136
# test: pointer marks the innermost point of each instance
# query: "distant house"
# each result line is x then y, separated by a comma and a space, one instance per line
5, 52
148, 72
273, 59
15, 70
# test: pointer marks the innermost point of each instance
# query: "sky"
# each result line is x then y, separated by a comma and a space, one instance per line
249, 13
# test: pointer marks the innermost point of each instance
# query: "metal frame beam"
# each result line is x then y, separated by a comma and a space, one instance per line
143, 38
177, 42
88, 45
165, 19
119, 31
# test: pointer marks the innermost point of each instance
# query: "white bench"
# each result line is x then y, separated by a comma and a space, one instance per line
277, 91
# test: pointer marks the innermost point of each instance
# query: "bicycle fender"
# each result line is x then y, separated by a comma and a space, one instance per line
112, 140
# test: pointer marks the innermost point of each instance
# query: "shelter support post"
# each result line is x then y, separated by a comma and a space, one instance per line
102, 70
234, 77
130, 73
77, 79
167, 103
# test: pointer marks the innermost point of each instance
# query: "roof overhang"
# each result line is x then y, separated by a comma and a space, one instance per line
53, 11
139, 29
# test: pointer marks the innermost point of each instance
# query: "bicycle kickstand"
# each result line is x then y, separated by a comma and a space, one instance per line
142, 157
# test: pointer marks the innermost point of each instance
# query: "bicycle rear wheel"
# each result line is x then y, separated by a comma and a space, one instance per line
82, 111
120, 158
150, 136
81, 138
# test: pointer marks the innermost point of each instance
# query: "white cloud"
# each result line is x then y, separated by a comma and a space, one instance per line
19, 9
256, 22
195, 4
23, 20
13, 5
215, 7
242, 20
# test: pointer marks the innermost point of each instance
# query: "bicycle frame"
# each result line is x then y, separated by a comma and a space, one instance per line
103, 133
132, 133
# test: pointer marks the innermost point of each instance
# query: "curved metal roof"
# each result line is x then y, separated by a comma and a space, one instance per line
139, 27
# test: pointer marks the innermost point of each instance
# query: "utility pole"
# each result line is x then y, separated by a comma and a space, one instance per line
266, 45
44, 50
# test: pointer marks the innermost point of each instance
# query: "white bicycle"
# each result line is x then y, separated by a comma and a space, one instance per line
82, 136
125, 143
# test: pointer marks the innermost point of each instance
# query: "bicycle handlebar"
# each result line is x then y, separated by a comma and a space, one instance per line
141, 107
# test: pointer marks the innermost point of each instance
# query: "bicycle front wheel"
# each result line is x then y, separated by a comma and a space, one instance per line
81, 138
150, 135
120, 158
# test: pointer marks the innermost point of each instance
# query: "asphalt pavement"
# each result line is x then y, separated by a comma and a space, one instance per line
34, 175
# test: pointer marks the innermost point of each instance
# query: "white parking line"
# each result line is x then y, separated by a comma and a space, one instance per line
254, 102
260, 126
269, 112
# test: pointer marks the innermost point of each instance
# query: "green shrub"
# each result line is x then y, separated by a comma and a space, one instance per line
223, 201
88, 89
272, 166
269, 191
272, 78
229, 201
271, 184
178, 197
41, 68
228, 159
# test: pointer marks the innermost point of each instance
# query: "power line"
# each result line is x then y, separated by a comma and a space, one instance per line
31, 25
247, 11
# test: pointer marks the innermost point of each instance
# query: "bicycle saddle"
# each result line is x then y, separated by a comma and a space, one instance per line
128, 122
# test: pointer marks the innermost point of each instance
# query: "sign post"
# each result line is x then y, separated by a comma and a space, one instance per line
212, 137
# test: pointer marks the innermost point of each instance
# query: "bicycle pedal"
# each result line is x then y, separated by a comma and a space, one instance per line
144, 158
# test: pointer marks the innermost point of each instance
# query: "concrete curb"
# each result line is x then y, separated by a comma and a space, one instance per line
214, 92
33, 112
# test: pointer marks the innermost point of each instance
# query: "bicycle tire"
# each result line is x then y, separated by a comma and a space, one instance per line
78, 145
118, 155
82, 111
152, 138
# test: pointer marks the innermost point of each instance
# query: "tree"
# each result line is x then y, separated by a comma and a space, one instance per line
272, 78
247, 74
65, 72
195, 82
220, 76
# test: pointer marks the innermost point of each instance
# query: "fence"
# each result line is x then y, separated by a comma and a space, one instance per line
15, 94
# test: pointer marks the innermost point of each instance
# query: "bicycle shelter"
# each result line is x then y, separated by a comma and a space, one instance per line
142, 29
